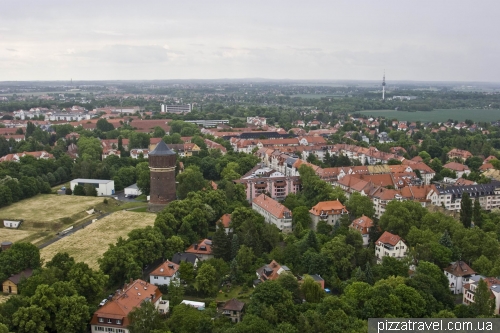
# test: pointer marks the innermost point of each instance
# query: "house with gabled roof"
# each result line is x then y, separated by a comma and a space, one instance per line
329, 211
191, 258
459, 154
390, 245
458, 272
470, 287
113, 315
225, 220
273, 212
233, 309
203, 249
363, 224
165, 273
10, 286
459, 168
271, 272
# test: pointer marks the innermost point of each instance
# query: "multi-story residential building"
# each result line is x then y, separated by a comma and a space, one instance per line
113, 315
450, 196
212, 145
266, 180
390, 245
363, 224
135, 153
458, 154
329, 211
17, 156
164, 273
273, 212
106, 152
257, 121
457, 273
469, 290
177, 108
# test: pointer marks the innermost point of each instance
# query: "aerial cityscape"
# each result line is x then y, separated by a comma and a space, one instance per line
179, 168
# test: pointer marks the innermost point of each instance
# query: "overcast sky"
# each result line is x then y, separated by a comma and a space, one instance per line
438, 40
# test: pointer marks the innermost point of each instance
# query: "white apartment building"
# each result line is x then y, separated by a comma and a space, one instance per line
273, 212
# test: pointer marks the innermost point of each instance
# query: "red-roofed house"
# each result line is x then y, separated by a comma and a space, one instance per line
164, 274
363, 224
203, 249
459, 154
113, 316
329, 211
273, 212
226, 222
390, 245
270, 272
459, 169
36, 154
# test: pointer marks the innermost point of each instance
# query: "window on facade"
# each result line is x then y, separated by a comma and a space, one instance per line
119, 330
155, 277
99, 328
109, 321
101, 320
118, 322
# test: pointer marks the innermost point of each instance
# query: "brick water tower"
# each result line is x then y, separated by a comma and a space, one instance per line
162, 175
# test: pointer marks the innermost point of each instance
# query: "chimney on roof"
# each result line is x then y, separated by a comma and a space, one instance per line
195, 246
131, 280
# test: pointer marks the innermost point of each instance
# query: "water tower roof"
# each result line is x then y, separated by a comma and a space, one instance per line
162, 149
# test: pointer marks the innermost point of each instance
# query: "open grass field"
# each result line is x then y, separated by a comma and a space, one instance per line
15, 235
437, 115
48, 207
235, 292
90, 243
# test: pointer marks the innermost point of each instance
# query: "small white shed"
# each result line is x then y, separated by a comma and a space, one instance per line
11, 224
132, 190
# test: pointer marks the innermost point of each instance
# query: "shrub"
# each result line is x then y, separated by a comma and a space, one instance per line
105, 201
68, 191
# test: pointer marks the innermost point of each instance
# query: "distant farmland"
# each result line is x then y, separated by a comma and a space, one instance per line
437, 115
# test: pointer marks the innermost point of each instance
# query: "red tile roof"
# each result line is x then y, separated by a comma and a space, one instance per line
456, 166
225, 220
328, 207
272, 206
388, 238
203, 247
362, 224
125, 301
167, 268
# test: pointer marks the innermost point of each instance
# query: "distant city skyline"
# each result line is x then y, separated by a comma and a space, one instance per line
320, 40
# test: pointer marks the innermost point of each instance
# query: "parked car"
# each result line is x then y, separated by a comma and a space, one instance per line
104, 301
63, 188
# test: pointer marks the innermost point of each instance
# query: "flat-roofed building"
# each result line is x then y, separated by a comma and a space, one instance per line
102, 186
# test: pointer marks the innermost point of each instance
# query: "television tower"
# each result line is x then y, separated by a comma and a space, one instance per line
383, 87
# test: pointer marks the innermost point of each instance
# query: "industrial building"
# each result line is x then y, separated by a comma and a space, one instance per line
103, 187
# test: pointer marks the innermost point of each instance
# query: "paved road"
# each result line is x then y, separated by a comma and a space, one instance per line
58, 237
120, 196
